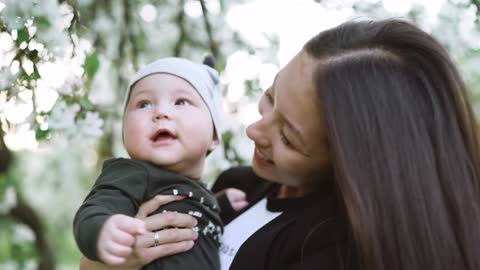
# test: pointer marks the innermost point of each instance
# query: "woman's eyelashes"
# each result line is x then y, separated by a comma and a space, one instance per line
284, 139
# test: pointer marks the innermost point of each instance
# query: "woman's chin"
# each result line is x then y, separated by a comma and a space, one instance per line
262, 172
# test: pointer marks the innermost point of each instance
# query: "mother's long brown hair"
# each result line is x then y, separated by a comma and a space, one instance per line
404, 146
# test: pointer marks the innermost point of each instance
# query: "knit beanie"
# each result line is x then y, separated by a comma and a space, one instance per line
203, 78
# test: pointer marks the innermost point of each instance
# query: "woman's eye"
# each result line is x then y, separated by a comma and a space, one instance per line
144, 104
182, 102
284, 140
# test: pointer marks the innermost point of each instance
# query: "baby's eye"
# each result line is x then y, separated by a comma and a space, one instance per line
144, 104
182, 102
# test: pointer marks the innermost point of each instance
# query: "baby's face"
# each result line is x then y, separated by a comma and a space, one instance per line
167, 123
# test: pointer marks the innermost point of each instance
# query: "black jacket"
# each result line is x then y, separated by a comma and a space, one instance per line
125, 184
307, 235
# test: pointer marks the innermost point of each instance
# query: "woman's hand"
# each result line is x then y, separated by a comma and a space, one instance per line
169, 241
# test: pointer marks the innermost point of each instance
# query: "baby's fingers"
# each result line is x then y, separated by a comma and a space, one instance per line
130, 225
113, 260
118, 250
109, 253
123, 238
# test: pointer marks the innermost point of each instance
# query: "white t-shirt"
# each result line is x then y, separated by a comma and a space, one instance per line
241, 228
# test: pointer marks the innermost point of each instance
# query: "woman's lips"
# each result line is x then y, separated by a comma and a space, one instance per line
260, 160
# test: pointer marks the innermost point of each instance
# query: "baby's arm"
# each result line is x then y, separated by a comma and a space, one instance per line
118, 190
117, 238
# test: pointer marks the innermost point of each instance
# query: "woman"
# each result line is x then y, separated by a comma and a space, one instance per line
372, 142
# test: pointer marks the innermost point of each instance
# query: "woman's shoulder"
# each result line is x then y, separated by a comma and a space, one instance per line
304, 240
311, 240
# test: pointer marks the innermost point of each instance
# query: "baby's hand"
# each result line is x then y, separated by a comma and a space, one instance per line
237, 198
117, 238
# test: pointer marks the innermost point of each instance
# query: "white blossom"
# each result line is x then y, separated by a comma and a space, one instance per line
16, 13
3, 100
7, 79
54, 37
9, 200
70, 86
23, 234
91, 126
62, 116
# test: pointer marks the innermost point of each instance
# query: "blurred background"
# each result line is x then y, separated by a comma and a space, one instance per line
65, 64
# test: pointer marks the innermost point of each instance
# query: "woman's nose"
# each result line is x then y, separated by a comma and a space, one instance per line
259, 132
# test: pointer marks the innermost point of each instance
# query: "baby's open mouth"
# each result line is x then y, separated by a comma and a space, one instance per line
163, 135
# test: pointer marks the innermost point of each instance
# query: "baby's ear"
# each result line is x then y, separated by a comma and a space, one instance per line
215, 143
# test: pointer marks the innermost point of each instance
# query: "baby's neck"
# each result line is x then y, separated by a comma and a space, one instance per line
193, 172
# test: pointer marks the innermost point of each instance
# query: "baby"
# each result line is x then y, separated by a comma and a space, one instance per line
171, 123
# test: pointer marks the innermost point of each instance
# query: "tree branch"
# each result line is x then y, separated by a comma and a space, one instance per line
129, 35
6, 156
73, 24
476, 3
180, 21
213, 44
27, 215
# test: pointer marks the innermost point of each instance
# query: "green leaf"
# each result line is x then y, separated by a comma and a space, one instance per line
41, 134
68, 99
35, 75
43, 22
86, 104
22, 35
227, 136
91, 65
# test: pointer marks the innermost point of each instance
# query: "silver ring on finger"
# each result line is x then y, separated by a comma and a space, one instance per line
156, 239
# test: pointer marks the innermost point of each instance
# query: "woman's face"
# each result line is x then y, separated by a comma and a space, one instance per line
290, 139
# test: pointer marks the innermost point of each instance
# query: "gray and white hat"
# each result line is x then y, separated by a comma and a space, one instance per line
202, 77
